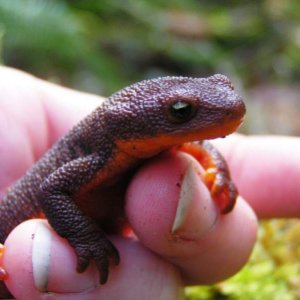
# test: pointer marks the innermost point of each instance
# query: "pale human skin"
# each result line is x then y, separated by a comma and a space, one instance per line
208, 247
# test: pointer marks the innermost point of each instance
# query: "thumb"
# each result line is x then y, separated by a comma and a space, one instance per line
172, 213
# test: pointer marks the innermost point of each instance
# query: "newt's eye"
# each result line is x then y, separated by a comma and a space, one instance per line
181, 111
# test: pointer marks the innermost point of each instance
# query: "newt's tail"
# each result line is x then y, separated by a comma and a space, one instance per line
17, 206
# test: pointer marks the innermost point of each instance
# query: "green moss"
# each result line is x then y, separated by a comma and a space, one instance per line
272, 273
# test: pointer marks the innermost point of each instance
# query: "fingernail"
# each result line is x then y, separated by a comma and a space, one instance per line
41, 255
196, 212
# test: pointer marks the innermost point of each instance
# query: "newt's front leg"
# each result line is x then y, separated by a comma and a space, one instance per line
216, 177
88, 240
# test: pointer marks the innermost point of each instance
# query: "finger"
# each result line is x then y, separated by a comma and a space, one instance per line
172, 213
33, 115
39, 263
266, 170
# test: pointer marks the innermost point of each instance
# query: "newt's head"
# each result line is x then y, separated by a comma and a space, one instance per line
150, 116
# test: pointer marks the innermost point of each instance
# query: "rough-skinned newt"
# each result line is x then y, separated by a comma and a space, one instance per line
79, 184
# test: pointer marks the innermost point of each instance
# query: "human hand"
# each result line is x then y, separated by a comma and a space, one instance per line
208, 247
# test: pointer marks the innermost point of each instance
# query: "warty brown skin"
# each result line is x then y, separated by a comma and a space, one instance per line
80, 182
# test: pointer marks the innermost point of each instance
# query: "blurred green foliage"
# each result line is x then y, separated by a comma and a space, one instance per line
272, 273
100, 46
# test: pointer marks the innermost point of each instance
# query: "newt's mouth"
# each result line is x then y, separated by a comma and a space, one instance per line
230, 125
212, 132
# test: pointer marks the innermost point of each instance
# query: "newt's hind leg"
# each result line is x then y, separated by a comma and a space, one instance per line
217, 176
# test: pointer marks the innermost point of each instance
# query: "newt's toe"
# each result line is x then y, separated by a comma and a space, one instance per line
98, 248
222, 189
3, 273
